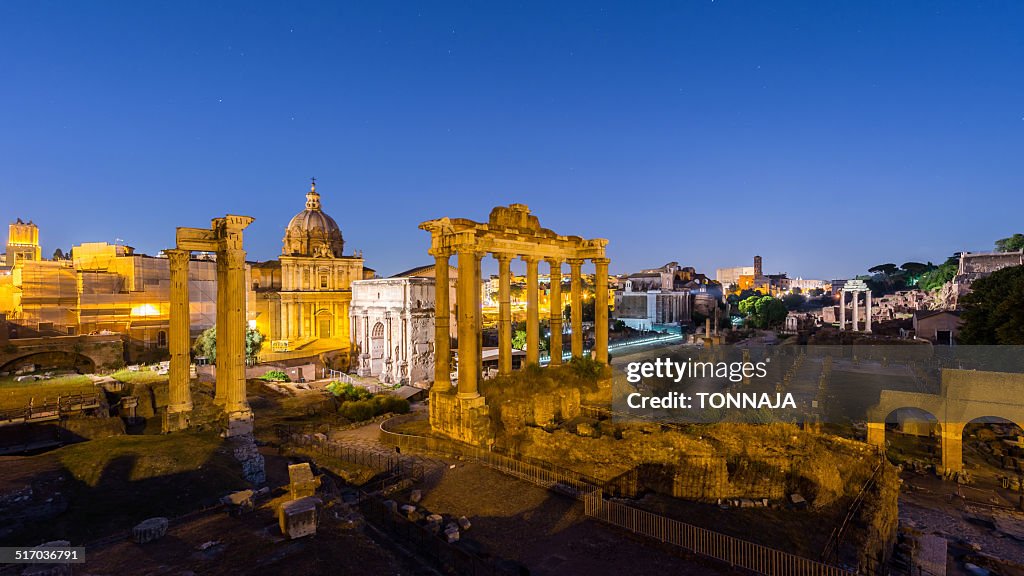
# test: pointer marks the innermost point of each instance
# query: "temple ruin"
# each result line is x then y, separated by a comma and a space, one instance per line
510, 232
224, 237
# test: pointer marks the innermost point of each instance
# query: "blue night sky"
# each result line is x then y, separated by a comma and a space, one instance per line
826, 137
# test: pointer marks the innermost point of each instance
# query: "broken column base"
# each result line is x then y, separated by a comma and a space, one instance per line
176, 421
244, 449
240, 423
464, 419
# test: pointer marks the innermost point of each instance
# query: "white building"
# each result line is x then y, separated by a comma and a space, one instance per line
393, 326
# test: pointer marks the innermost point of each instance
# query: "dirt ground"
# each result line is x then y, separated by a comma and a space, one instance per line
546, 532
248, 545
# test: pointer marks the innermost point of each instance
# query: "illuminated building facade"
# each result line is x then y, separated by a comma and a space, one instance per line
22, 243
105, 287
392, 323
305, 295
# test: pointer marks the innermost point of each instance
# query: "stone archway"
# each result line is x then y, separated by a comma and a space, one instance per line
967, 395
52, 360
378, 349
908, 420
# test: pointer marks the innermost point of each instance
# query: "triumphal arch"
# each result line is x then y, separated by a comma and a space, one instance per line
510, 232
224, 237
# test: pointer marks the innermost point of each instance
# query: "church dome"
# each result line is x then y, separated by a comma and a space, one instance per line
312, 232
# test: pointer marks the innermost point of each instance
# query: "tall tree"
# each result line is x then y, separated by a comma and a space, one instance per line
206, 344
1011, 244
887, 269
993, 313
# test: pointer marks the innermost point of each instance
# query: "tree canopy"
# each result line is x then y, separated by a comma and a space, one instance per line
887, 269
793, 301
1011, 244
763, 311
206, 344
993, 312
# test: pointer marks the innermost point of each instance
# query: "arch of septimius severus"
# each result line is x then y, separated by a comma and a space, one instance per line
510, 232
224, 237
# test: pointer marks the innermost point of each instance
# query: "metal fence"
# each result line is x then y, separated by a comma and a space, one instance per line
734, 551
391, 464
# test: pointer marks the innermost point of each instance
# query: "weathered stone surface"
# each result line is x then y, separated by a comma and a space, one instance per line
569, 403
149, 530
545, 408
49, 569
248, 455
301, 481
464, 523
298, 518
416, 496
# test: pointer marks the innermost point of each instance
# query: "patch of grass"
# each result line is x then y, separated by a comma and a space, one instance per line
18, 394
119, 481
143, 376
151, 456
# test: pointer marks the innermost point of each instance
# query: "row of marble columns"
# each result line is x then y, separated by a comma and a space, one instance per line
468, 304
230, 322
856, 316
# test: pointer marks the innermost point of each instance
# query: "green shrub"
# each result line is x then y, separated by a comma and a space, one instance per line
358, 410
276, 376
393, 404
347, 392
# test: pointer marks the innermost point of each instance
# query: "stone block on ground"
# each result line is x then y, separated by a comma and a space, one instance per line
301, 481
298, 518
797, 501
150, 530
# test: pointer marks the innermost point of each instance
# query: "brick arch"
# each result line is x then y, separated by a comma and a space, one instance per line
966, 395
54, 359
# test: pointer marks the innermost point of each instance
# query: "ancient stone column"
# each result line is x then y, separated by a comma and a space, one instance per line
532, 311
856, 318
504, 314
479, 307
220, 391
179, 396
231, 348
576, 320
466, 298
555, 313
951, 436
601, 310
867, 321
442, 328
842, 309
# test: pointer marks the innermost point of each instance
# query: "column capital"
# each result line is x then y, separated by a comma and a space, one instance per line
554, 261
529, 258
177, 255
576, 262
601, 260
502, 256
